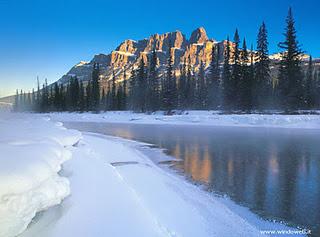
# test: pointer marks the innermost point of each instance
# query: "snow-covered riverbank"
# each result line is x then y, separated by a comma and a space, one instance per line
207, 118
115, 189
32, 152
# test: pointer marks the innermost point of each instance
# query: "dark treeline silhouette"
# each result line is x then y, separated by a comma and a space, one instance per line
242, 83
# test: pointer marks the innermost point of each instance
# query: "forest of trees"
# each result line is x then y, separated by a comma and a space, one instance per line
242, 83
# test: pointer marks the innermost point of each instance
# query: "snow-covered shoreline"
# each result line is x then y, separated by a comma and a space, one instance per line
198, 118
115, 189
32, 153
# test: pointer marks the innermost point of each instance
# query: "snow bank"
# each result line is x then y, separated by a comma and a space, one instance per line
208, 118
32, 152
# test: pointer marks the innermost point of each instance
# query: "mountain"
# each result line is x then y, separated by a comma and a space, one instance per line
129, 53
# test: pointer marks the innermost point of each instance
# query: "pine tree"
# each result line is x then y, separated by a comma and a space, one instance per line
43, 99
141, 87
246, 81
103, 100
169, 89
119, 98
236, 72
190, 86
152, 84
16, 101
21, 102
317, 89
74, 93
133, 90
202, 93
29, 105
108, 96
263, 84
113, 92
33, 103
38, 103
88, 96
226, 78
124, 91
252, 75
290, 74
56, 100
95, 87
182, 95
62, 98
213, 81
82, 101
310, 86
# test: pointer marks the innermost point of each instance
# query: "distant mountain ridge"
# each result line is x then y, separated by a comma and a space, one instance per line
196, 49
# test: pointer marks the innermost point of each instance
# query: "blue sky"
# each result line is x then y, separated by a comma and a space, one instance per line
46, 38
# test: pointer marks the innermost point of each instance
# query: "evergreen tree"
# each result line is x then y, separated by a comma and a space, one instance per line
124, 91
38, 103
108, 97
152, 84
82, 101
202, 94
16, 101
246, 81
141, 87
317, 89
57, 99
182, 90
133, 90
263, 84
113, 93
236, 72
68, 97
74, 91
169, 90
290, 74
45, 97
33, 103
119, 98
95, 87
21, 101
226, 78
213, 81
29, 105
103, 100
252, 76
310, 86
190, 86
62, 98
88, 96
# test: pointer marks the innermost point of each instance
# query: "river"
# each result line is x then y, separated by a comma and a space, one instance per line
274, 172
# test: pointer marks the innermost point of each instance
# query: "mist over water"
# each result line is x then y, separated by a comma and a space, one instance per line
274, 172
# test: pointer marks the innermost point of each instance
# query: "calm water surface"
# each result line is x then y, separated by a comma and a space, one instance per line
274, 172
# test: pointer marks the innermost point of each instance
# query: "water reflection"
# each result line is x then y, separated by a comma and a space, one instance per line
275, 172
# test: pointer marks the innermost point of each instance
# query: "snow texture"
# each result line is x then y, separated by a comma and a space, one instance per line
32, 152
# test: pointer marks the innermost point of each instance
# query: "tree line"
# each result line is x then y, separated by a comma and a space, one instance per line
243, 82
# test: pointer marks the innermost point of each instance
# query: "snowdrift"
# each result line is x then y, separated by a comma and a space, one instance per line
32, 151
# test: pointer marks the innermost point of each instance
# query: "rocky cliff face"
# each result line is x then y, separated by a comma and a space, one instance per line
128, 54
